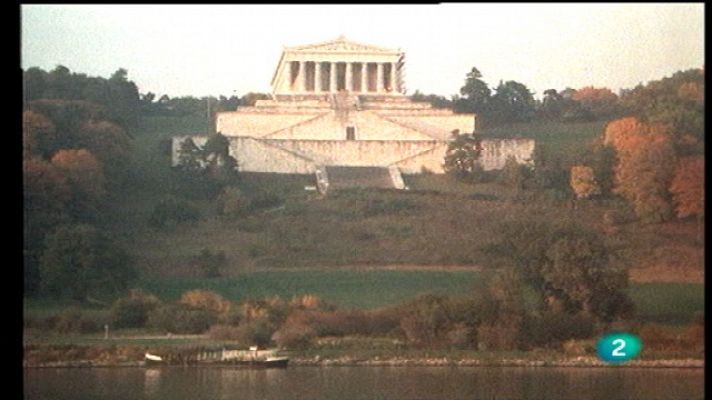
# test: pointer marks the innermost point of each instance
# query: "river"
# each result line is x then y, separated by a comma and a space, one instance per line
354, 383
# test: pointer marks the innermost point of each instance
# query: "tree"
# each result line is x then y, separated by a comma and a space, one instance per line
645, 166
426, 320
250, 98
111, 145
476, 93
502, 311
35, 84
597, 103
133, 311
190, 157
676, 101
568, 265
39, 135
46, 194
602, 159
552, 104
208, 301
583, 182
462, 156
79, 261
549, 171
85, 177
688, 187
514, 174
512, 102
435, 100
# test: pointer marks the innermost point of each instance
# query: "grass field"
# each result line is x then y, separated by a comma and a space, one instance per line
565, 139
667, 303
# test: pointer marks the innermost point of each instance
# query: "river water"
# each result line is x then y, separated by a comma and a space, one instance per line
355, 383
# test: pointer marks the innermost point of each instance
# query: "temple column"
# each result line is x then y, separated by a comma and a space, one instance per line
394, 82
332, 78
291, 73
364, 78
302, 76
349, 84
317, 77
379, 77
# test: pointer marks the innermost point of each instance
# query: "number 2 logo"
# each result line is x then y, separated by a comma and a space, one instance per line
618, 347
617, 351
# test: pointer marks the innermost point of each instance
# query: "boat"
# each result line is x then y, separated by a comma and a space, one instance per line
239, 358
276, 362
152, 359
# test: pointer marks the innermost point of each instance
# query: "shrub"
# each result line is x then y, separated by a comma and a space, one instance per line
309, 302
72, 321
461, 336
294, 333
499, 335
514, 174
205, 300
426, 320
132, 311
209, 263
255, 332
178, 318
171, 211
553, 328
232, 203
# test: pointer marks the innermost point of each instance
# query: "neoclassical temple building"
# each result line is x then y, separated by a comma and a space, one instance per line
340, 104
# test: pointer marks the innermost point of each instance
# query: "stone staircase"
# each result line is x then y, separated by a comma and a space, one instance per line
334, 177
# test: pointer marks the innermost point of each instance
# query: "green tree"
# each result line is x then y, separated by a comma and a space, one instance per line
79, 261
677, 101
475, 92
514, 174
132, 311
512, 102
85, 177
549, 171
462, 156
570, 266
435, 100
552, 105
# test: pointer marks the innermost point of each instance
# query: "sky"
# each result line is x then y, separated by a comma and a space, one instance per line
202, 50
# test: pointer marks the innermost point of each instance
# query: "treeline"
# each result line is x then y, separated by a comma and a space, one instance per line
651, 155
77, 157
74, 157
511, 101
120, 97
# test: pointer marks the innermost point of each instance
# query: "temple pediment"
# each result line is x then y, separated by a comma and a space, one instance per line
341, 44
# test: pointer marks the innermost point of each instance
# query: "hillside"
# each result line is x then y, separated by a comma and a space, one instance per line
439, 221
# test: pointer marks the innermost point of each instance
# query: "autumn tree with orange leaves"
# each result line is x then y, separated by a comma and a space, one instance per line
644, 169
583, 182
688, 187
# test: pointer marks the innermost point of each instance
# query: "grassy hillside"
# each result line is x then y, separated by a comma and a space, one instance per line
438, 222
295, 247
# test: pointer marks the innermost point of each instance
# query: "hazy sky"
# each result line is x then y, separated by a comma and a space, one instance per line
233, 49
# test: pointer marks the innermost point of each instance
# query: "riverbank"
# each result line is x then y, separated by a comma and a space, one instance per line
133, 357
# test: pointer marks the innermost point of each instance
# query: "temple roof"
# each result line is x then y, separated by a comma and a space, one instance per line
341, 44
